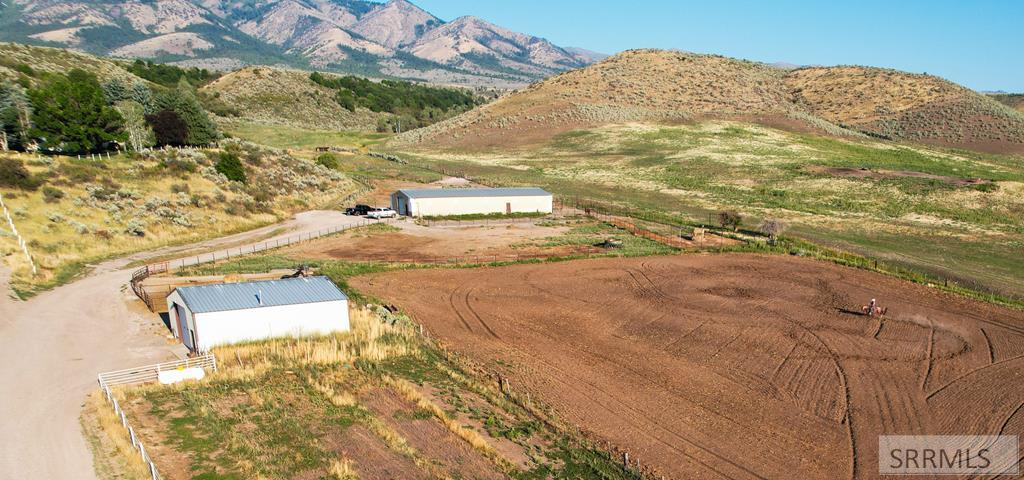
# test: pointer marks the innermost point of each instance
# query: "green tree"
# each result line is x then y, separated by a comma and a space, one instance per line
168, 128
182, 101
328, 160
115, 90
346, 99
15, 116
231, 167
72, 115
142, 94
138, 132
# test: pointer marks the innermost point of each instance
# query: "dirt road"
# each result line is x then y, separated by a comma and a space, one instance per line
52, 347
731, 366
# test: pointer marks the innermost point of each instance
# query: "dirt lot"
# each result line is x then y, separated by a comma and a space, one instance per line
415, 243
740, 366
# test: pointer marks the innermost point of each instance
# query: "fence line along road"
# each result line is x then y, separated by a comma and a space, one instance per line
21, 241
140, 275
144, 374
269, 244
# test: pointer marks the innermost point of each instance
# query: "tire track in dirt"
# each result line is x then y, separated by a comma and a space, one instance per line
451, 301
469, 305
828, 375
988, 343
847, 416
970, 373
1002, 428
785, 359
928, 356
637, 413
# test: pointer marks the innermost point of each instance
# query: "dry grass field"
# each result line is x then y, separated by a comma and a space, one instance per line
378, 402
86, 210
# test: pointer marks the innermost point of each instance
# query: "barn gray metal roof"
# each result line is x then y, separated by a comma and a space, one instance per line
473, 192
244, 295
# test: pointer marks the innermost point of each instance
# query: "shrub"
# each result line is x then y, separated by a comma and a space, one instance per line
13, 174
52, 195
168, 128
231, 167
730, 219
180, 188
772, 228
328, 160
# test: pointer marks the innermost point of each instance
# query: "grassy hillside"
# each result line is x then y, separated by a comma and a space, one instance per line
1012, 100
78, 211
897, 105
666, 86
954, 213
287, 97
17, 59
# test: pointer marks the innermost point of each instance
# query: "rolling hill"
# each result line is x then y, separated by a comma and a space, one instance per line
658, 86
393, 39
287, 97
1012, 100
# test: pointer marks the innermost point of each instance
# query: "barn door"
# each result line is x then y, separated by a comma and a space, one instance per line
184, 333
508, 207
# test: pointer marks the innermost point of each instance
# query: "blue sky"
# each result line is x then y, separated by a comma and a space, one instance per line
978, 43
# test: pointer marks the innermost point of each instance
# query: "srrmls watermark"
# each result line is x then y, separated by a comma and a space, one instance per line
948, 455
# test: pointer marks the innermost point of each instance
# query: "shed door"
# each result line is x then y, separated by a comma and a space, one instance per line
183, 332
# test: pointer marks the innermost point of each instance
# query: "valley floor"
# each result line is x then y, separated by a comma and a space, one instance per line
955, 215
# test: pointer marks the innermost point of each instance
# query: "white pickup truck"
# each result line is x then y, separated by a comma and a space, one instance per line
381, 213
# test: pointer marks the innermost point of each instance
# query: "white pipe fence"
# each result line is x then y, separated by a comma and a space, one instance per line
21, 241
150, 373
144, 374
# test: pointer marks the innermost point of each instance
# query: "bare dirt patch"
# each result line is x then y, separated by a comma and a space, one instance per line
424, 433
742, 366
373, 459
415, 243
868, 173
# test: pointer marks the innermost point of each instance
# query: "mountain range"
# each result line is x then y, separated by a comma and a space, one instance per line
393, 39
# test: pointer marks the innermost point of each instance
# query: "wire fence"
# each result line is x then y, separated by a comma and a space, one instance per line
140, 275
21, 240
144, 374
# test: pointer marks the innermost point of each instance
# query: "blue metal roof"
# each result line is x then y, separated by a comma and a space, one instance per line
473, 192
244, 295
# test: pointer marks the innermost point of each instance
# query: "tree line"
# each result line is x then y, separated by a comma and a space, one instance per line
75, 113
412, 105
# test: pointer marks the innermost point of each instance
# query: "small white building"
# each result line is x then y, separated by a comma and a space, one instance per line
426, 202
207, 316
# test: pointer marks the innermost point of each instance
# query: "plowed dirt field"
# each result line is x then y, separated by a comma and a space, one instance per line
731, 366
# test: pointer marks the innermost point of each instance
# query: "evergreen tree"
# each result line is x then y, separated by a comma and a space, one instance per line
72, 115
182, 101
231, 167
143, 95
115, 90
15, 115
